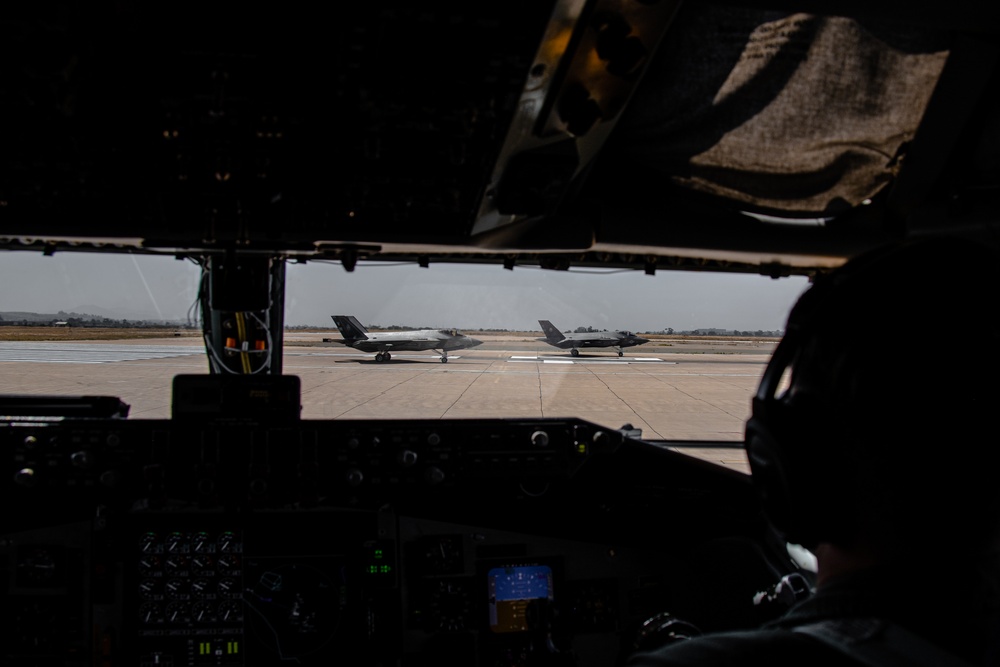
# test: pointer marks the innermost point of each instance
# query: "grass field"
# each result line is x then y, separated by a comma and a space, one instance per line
88, 333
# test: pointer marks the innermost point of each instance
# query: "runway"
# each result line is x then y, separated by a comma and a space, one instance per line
89, 353
667, 394
96, 353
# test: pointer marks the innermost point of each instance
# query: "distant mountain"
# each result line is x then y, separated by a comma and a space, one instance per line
119, 314
116, 314
82, 313
98, 311
21, 316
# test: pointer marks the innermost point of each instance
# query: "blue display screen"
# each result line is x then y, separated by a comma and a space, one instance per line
511, 589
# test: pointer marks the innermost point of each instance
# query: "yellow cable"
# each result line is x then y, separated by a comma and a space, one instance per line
241, 331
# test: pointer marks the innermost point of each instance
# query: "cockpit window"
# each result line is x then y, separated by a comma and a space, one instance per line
124, 325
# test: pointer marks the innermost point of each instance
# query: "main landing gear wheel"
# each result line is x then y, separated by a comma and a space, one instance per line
575, 352
620, 353
382, 356
444, 360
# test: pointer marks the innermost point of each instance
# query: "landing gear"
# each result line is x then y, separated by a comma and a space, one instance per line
382, 356
620, 353
575, 352
444, 357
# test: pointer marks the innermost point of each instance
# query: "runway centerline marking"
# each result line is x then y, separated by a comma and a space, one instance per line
515, 358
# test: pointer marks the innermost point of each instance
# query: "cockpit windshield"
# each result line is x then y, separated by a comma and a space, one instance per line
124, 325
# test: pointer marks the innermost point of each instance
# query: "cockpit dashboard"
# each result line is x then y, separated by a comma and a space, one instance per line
203, 540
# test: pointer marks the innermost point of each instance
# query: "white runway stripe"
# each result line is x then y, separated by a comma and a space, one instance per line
588, 360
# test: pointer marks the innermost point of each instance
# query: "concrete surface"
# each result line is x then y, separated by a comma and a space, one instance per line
671, 392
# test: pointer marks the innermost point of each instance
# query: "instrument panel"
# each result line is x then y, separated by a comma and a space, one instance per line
392, 542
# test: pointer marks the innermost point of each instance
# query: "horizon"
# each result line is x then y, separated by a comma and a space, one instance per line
458, 296
47, 319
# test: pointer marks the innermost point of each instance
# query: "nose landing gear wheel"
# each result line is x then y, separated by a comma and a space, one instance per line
575, 352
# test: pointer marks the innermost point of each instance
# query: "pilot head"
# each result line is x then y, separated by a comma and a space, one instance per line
875, 420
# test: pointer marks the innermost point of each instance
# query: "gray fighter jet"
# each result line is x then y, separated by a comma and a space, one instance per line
383, 344
572, 341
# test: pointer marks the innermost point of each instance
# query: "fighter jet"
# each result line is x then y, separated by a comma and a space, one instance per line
572, 341
383, 344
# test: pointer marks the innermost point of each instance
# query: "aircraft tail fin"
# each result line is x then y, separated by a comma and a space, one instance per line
551, 333
350, 328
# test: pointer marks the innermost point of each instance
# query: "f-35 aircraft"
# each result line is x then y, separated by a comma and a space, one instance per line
572, 341
383, 344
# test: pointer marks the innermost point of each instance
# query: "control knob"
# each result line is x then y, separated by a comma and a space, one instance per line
540, 439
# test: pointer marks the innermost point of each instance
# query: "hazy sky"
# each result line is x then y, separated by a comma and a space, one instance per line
442, 295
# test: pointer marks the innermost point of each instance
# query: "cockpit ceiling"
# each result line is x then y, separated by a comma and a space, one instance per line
778, 138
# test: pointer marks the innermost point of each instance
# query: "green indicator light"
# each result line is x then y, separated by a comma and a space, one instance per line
378, 553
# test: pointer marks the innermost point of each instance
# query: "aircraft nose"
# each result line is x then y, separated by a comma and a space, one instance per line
474, 342
640, 340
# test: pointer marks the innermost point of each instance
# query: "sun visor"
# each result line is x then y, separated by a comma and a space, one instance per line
780, 112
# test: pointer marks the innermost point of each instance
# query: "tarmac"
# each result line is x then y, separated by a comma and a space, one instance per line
690, 391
